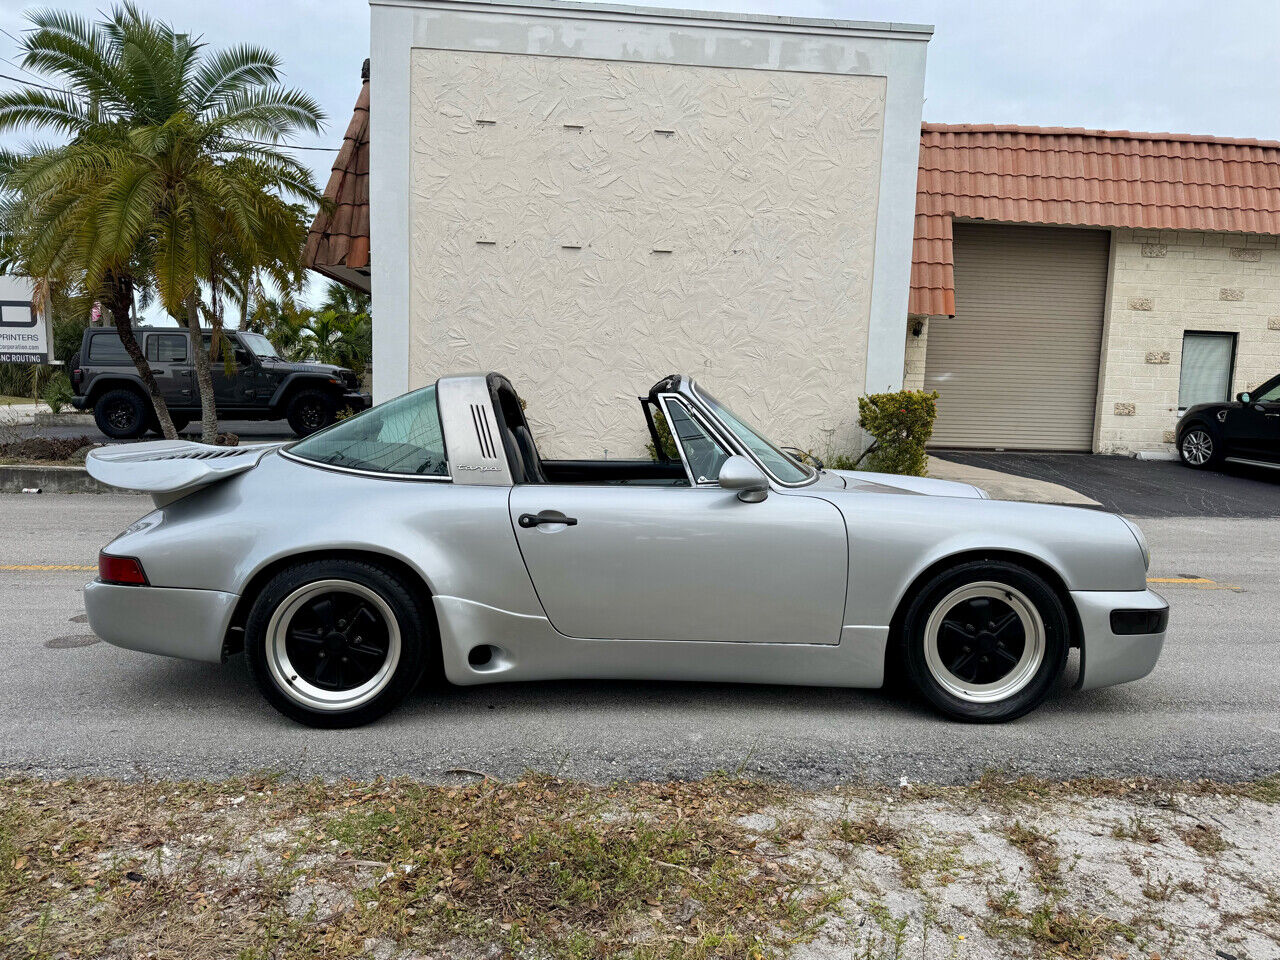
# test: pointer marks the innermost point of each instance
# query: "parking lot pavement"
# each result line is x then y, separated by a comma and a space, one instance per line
69, 705
1142, 488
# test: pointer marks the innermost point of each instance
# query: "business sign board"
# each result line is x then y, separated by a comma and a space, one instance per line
24, 332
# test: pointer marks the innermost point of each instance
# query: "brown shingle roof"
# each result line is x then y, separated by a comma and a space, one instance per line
339, 237
1075, 177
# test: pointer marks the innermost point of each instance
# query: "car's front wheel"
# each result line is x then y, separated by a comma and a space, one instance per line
1197, 448
985, 641
336, 643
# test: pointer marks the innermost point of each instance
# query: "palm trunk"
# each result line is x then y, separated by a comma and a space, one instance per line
120, 302
204, 373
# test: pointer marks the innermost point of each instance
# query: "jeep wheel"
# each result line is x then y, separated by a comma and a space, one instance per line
309, 411
121, 414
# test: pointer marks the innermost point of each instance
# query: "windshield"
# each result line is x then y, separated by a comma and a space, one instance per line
259, 345
783, 467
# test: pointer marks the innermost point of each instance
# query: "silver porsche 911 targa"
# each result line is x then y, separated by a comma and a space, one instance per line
426, 534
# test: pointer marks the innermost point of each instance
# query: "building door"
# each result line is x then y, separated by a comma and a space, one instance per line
1017, 367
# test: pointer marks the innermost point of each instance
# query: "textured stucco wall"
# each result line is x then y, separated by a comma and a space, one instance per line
1164, 283
539, 240
914, 355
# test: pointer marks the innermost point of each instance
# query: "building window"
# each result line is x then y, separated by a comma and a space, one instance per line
1207, 361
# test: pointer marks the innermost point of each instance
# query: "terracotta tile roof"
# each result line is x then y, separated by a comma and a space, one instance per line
1075, 177
339, 237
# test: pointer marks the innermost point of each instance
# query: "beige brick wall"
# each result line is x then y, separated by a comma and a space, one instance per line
1164, 283
913, 363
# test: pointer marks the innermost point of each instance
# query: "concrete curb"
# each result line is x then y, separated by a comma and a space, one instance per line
44, 418
15, 478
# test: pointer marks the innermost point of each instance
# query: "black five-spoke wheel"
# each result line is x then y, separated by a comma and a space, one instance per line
985, 640
336, 642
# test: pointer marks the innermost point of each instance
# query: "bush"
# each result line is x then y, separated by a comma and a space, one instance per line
57, 392
900, 425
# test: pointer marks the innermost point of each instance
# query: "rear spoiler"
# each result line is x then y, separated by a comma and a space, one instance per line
169, 469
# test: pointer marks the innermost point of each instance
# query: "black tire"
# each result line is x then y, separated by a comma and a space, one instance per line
309, 411
272, 642
122, 413
1198, 448
939, 634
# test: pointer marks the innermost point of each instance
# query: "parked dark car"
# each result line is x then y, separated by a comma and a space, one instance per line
260, 385
1244, 430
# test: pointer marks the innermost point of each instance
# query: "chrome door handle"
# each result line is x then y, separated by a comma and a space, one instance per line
529, 520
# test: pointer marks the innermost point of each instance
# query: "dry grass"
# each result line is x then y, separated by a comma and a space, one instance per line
260, 868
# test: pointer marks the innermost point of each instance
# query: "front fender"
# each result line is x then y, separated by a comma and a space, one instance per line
895, 539
295, 380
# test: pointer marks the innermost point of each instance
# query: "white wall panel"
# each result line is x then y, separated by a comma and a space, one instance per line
765, 194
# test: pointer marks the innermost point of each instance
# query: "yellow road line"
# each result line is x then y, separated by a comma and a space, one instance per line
1179, 580
45, 566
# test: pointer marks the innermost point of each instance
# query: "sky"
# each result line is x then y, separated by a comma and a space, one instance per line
1183, 66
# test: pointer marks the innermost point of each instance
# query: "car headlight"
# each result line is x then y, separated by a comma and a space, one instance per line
1142, 542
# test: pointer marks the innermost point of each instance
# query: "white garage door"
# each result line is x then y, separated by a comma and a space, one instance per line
1017, 367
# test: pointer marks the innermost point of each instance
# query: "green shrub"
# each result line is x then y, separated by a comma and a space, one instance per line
900, 425
664, 436
57, 392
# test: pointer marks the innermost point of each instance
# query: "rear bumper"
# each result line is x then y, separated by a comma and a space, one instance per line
79, 402
1108, 658
171, 621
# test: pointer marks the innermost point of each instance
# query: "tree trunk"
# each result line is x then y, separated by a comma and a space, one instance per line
204, 373
120, 302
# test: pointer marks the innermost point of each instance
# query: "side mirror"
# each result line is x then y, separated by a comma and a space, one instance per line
739, 473
1244, 397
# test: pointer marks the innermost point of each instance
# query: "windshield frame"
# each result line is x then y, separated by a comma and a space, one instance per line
710, 405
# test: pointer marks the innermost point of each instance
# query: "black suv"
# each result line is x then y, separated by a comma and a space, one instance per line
262, 386
1247, 430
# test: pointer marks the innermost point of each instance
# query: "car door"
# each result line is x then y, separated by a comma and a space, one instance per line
237, 388
684, 563
167, 357
1253, 428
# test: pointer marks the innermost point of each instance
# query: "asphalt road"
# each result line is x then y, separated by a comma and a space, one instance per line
1143, 488
1212, 708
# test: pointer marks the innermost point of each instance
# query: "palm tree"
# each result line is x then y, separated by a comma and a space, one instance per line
173, 176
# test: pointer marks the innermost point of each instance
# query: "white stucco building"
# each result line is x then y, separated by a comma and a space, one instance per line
588, 197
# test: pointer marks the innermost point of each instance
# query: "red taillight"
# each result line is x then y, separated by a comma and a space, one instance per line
77, 375
125, 570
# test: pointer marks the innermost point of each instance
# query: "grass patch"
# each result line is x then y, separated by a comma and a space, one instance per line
1042, 850
1204, 839
258, 868
1137, 830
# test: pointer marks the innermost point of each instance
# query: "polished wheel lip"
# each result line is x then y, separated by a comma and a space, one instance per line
1020, 675
307, 694
1196, 447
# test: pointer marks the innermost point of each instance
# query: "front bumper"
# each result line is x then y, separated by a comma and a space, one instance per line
172, 621
1108, 658
357, 401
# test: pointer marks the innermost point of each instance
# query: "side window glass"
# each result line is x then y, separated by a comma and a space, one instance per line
1271, 395
167, 348
702, 453
107, 348
401, 436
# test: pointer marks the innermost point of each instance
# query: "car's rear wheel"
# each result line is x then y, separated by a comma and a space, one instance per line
985, 641
1198, 449
309, 411
121, 414
336, 643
